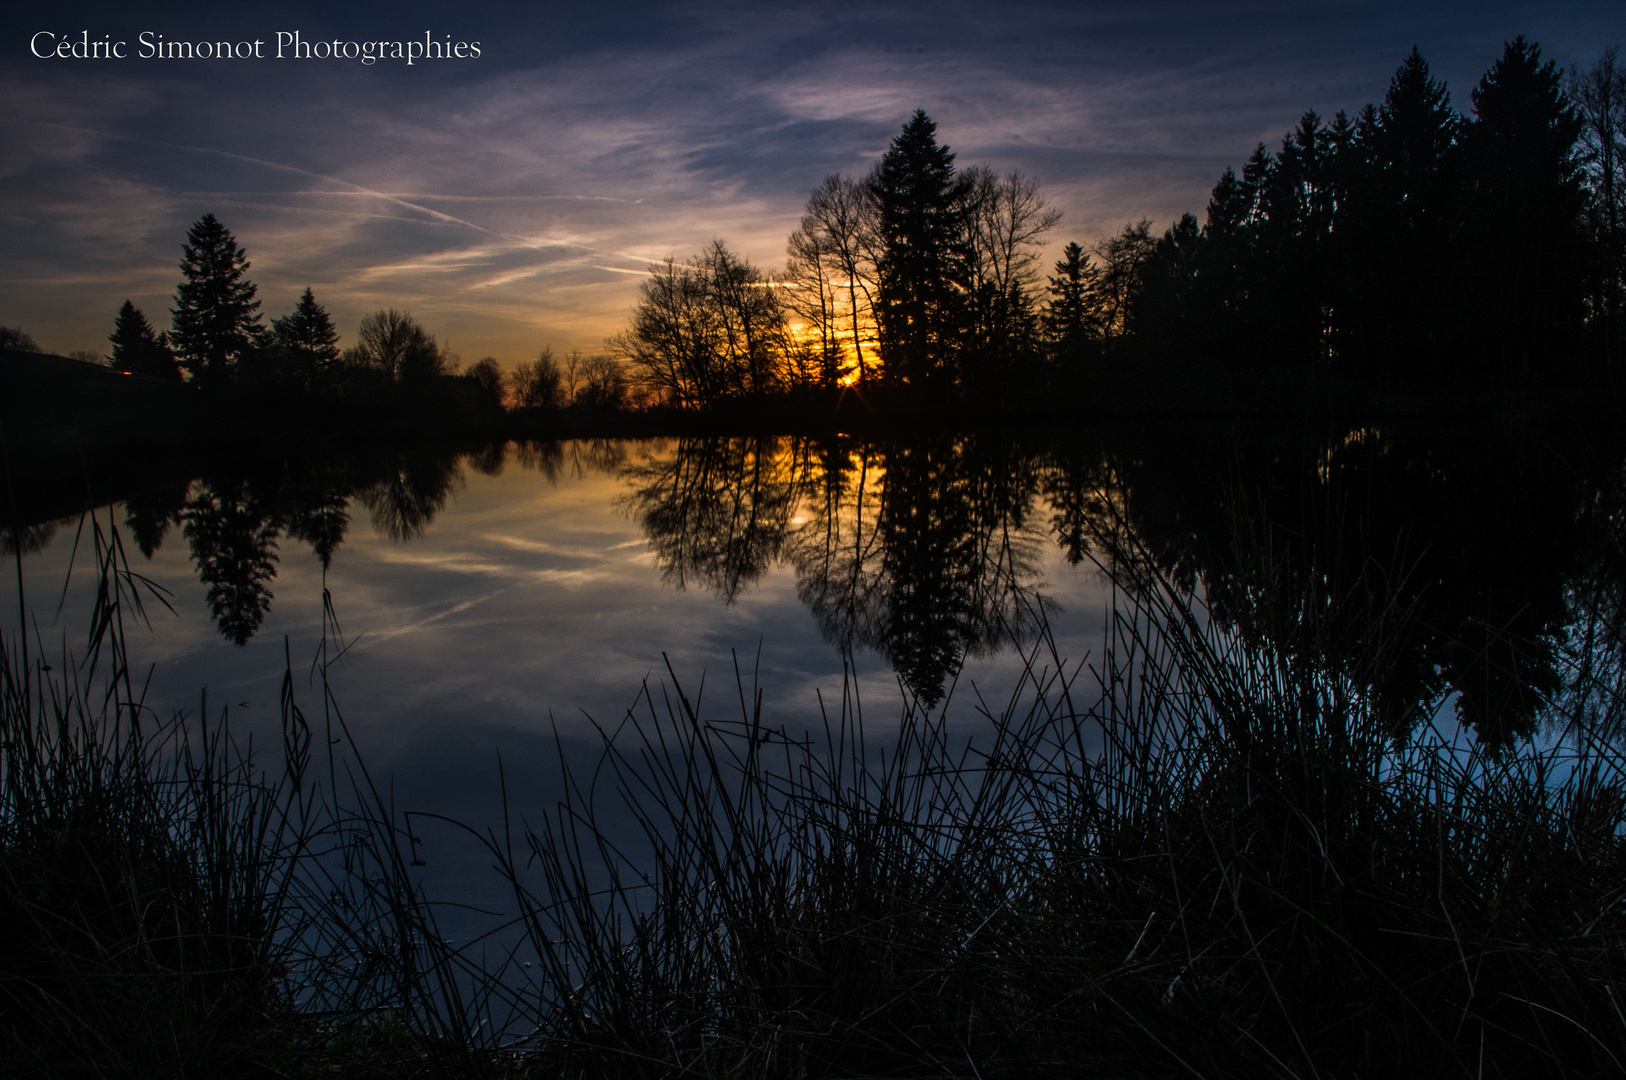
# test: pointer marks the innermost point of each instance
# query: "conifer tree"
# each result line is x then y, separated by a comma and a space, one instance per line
216, 317
1401, 225
1526, 197
306, 340
923, 264
136, 349
1070, 318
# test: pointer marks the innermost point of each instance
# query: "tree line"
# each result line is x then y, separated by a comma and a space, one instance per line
218, 339
1410, 247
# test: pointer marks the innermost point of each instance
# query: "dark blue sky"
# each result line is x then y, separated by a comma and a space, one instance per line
512, 201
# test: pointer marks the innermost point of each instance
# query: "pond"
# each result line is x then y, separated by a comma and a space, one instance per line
504, 603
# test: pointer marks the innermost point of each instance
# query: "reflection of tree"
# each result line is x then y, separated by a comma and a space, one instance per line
235, 517
32, 539
960, 562
716, 511
917, 551
490, 459
578, 457
234, 543
149, 514
1592, 649
320, 518
406, 498
838, 551
1438, 560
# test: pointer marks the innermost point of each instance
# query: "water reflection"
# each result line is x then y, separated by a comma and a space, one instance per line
1491, 565
235, 517
920, 552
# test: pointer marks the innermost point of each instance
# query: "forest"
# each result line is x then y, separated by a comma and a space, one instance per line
1409, 248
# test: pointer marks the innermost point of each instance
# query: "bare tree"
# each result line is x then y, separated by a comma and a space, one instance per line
671, 337
1123, 257
841, 225
750, 317
707, 329
537, 384
572, 375
811, 290
14, 337
1007, 217
394, 343
605, 383
1599, 95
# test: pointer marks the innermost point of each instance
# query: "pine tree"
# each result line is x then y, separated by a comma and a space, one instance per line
306, 340
216, 317
1526, 197
1398, 263
923, 270
1070, 318
139, 351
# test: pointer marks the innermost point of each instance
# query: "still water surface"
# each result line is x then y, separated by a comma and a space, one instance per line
499, 602
491, 600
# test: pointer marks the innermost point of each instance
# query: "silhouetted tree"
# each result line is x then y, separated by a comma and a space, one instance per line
1071, 318
306, 342
137, 349
812, 292
537, 384
1527, 198
751, 321
216, 317
1006, 218
1599, 95
1165, 304
487, 374
1123, 259
707, 330
924, 267
14, 337
394, 343
1401, 274
838, 243
604, 383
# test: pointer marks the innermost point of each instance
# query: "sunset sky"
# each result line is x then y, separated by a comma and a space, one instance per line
513, 200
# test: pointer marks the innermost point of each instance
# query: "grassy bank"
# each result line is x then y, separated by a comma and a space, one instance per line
1204, 854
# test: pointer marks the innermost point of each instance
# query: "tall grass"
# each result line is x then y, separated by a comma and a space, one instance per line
169, 909
1210, 853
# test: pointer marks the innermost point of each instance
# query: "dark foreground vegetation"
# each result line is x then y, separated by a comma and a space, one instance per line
1218, 850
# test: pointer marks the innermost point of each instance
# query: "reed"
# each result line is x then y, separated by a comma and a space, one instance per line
1210, 854
168, 908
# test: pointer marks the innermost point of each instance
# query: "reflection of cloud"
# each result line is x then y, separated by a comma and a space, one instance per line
399, 629
545, 547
